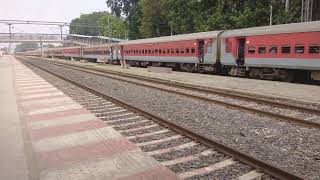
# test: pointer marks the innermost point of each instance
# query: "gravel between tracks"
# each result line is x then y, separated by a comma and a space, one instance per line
203, 161
108, 67
292, 147
181, 153
232, 173
153, 137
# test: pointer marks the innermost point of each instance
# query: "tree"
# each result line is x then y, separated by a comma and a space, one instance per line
119, 26
153, 23
115, 6
292, 16
121, 7
131, 11
27, 46
151, 18
4, 50
78, 25
49, 46
134, 22
316, 10
179, 15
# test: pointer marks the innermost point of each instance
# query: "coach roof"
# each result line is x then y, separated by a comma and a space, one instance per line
182, 37
100, 46
275, 29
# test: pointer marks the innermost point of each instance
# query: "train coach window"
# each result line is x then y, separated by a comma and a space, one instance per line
172, 51
182, 51
187, 50
193, 50
168, 51
252, 50
177, 51
273, 49
285, 49
262, 50
299, 49
209, 50
314, 49
228, 45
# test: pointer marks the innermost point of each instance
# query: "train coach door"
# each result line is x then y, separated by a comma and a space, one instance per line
111, 55
241, 51
201, 50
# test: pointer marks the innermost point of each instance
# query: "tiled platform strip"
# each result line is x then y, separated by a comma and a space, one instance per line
71, 143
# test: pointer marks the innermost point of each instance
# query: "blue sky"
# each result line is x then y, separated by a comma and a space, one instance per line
45, 10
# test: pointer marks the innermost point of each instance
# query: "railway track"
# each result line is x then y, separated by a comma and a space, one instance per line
292, 112
188, 154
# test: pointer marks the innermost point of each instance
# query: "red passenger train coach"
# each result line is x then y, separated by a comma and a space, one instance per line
280, 52
273, 52
180, 51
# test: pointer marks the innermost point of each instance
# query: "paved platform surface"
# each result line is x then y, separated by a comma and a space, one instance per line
12, 157
300, 92
66, 141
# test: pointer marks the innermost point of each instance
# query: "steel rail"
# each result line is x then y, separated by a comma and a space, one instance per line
263, 99
214, 144
276, 116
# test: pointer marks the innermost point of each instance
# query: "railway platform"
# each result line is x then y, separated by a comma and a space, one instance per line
269, 89
47, 135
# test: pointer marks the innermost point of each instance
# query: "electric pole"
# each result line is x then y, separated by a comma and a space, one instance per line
61, 26
110, 29
302, 10
271, 12
287, 5
306, 10
311, 9
10, 37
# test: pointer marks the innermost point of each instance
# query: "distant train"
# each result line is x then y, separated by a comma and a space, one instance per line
281, 52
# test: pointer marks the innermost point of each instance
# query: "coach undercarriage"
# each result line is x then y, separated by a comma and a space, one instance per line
278, 74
